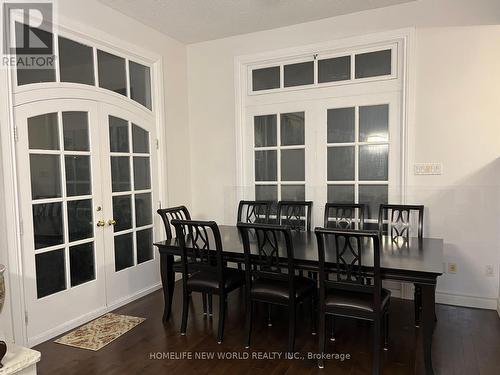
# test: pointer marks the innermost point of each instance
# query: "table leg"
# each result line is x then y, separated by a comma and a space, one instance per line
168, 282
426, 331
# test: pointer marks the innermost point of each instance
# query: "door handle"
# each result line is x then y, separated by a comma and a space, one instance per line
111, 222
101, 223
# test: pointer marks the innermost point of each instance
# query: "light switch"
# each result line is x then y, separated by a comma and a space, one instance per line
428, 168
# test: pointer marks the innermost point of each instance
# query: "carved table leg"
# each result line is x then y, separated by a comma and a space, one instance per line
168, 282
426, 331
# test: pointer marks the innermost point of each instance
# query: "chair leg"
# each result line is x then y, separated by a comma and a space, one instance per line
291, 327
210, 306
332, 327
222, 316
269, 314
417, 304
376, 346
185, 310
313, 314
204, 297
386, 331
248, 323
322, 338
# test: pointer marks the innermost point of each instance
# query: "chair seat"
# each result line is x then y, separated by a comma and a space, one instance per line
277, 290
208, 281
344, 299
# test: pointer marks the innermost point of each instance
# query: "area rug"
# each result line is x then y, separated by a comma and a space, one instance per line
100, 332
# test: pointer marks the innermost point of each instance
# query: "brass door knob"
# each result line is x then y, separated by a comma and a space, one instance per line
111, 222
101, 223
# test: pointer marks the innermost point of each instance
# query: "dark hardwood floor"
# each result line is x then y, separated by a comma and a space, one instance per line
466, 342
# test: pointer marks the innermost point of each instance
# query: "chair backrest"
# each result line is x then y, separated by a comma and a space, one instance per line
173, 213
344, 215
349, 271
295, 214
201, 247
254, 211
398, 218
262, 244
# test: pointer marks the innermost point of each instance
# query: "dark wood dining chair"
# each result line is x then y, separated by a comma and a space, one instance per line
295, 214
344, 215
203, 267
395, 220
254, 211
347, 294
180, 213
270, 282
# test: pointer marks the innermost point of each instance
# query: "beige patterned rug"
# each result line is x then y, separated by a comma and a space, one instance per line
100, 332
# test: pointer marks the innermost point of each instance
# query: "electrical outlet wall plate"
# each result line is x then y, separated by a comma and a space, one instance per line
490, 270
428, 168
452, 268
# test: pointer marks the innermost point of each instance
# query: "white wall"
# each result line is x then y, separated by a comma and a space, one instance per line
455, 122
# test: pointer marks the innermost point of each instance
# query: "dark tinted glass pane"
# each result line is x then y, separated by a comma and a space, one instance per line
47, 224
140, 139
78, 175
374, 162
292, 129
373, 64
340, 163
373, 196
76, 131
140, 84
142, 175
266, 192
81, 263
80, 224
293, 166
118, 135
299, 74
265, 130
143, 210
144, 245
374, 123
293, 192
120, 173
266, 165
341, 125
336, 69
45, 176
266, 78
122, 212
50, 273
112, 75
124, 251
76, 62
340, 193
43, 133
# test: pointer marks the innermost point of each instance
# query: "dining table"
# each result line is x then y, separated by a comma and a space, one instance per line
413, 260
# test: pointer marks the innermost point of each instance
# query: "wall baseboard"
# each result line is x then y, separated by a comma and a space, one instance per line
498, 307
449, 298
67, 326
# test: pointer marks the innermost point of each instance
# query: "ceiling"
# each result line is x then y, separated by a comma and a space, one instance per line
191, 21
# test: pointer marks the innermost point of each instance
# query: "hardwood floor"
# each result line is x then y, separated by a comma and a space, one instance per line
466, 342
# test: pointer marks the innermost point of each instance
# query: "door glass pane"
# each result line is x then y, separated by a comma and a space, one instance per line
50, 272
78, 175
80, 225
265, 130
373, 64
335, 69
293, 192
340, 193
266, 78
118, 135
143, 209
142, 175
373, 196
266, 192
124, 251
120, 173
140, 139
43, 133
82, 263
45, 176
293, 165
340, 163
76, 62
374, 123
340, 125
266, 165
122, 212
299, 74
374, 162
292, 129
112, 75
47, 224
76, 131
144, 245
140, 84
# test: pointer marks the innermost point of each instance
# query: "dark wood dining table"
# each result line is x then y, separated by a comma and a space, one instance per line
413, 261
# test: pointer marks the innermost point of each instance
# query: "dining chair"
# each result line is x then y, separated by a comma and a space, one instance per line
254, 211
203, 267
181, 213
395, 220
344, 215
295, 214
268, 280
347, 294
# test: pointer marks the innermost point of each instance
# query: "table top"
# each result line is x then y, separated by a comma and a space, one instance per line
424, 256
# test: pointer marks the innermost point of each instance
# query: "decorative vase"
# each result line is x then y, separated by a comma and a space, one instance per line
3, 345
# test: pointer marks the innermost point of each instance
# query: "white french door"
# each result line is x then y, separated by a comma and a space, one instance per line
87, 191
